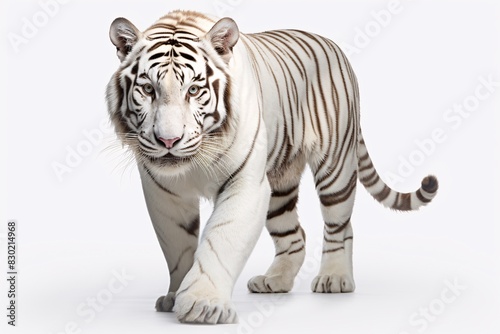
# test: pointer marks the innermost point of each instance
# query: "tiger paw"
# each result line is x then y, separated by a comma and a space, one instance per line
200, 308
165, 303
270, 284
333, 283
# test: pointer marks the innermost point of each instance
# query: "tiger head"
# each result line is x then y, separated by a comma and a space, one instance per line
170, 98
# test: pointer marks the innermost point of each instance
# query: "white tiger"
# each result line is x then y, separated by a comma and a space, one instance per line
211, 112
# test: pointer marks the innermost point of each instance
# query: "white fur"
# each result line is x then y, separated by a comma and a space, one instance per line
291, 104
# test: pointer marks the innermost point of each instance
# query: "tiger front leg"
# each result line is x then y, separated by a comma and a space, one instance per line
176, 223
229, 236
283, 226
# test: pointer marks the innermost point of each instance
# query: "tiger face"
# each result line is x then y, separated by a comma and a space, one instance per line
170, 98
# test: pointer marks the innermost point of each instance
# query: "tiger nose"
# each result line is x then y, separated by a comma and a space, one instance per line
169, 142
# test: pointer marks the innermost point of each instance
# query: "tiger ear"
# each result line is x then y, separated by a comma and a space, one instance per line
123, 35
223, 36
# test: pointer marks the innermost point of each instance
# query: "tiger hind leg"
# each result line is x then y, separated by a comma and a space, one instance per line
336, 188
288, 236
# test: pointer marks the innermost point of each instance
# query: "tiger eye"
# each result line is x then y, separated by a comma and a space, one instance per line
194, 90
148, 89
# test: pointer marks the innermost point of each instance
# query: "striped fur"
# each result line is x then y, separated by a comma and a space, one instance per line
210, 112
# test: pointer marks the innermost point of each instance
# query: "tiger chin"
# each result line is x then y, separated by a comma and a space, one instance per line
211, 112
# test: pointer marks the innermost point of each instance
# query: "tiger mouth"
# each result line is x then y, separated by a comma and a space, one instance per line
169, 160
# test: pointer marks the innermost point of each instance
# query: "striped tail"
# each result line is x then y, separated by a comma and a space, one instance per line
385, 195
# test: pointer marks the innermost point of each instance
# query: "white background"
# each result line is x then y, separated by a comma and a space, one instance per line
77, 230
